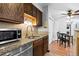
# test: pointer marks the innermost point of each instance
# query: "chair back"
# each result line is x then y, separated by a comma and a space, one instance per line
61, 36
58, 35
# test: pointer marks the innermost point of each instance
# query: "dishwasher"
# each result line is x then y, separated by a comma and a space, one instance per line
26, 50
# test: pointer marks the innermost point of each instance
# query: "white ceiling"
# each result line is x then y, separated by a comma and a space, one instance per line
43, 4
56, 9
65, 6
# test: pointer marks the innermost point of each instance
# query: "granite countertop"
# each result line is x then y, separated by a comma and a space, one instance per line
35, 38
13, 45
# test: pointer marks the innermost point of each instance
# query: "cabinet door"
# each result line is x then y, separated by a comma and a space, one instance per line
11, 12
39, 18
19, 12
34, 12
38, 51
38, 48
77, 46
45, 43
28, 8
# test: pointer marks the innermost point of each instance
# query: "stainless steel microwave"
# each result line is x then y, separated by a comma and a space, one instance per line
9, 35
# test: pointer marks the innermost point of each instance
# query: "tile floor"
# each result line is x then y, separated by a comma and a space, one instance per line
56, 50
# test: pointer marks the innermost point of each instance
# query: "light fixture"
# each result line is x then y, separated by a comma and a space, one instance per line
30, 18
68, 17
28, 23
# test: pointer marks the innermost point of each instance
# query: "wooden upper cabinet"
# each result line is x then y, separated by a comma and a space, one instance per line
34, 14
11, 12
39, 18
30, 9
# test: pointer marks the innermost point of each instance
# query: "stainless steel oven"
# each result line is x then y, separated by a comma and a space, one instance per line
9, 35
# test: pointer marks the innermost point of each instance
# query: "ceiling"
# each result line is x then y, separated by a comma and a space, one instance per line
65, 6
43, 4
56, 9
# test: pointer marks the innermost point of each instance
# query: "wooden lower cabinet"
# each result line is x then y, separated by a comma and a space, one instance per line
45, 43
77, 46
40, 46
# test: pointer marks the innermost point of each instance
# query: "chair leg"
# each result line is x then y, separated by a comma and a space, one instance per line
60, 42
65, 44
57, 40
68, 43
72, 40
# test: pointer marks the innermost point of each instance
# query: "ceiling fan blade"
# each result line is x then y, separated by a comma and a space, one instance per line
76, 11
64, 14
76, 14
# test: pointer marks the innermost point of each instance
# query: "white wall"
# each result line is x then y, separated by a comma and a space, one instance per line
54, 27
50, 30
50, 25
58, 24
45, 16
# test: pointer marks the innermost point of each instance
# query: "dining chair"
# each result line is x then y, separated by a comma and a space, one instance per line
66, 40
61, 39
58, 36
71, 39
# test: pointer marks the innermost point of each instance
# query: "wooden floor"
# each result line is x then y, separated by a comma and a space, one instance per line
57, 50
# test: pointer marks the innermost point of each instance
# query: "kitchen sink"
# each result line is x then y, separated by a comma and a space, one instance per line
32, 37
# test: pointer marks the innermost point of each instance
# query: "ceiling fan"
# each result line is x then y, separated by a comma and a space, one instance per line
71, 13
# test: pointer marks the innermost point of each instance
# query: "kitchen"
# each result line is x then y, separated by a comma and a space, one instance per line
30, 29
16, 39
